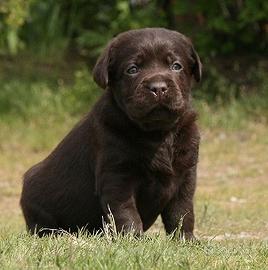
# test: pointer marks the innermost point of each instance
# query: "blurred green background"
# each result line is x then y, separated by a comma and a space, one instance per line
231, 36
48, 49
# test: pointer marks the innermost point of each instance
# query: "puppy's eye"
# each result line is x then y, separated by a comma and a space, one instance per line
176, 66
132, 69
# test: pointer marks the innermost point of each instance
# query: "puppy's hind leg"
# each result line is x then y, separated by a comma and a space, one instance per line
38, 221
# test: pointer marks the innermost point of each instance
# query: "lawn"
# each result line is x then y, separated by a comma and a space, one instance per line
39, 105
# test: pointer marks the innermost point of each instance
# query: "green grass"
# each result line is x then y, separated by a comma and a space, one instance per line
41, 103
22, 251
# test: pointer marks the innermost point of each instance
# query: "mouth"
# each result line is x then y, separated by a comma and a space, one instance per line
159, 114
159, 118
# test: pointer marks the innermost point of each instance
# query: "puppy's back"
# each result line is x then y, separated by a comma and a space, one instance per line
59, 191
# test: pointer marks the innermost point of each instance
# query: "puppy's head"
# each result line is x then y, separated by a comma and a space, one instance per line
149, 72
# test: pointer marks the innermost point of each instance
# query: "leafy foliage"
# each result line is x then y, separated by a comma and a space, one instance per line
218, 27
226, 26
13, 14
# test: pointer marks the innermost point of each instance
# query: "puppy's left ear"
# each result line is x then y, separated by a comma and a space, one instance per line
197, 67
101, 69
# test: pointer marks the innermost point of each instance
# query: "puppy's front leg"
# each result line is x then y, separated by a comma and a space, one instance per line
117, 198
180, 209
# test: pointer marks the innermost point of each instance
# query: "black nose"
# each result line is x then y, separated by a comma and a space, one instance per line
158, 88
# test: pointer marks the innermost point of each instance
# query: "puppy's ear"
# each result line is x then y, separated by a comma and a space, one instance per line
101, 69
197, 67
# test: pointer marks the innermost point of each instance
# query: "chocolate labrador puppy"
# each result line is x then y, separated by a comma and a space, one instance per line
135, 154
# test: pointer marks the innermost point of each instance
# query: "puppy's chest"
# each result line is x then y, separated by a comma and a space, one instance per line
164, 166
158, 158
171, 158
160, 181
159, 187
153, 195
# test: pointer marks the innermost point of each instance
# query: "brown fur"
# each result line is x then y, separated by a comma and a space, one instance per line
136, 151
